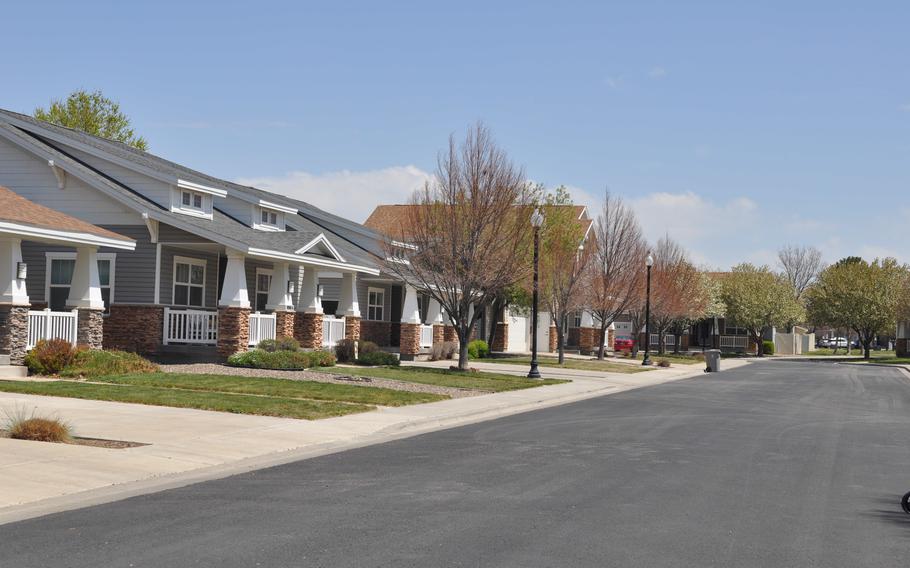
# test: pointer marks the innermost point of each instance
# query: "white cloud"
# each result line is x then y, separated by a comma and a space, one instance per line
352, 195
657, 72
904, 107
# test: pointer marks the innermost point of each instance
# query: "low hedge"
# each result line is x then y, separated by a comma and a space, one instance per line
378, 358
90, 364
478, 349
281, 360
768, 347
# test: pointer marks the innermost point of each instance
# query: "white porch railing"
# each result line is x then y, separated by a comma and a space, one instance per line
734, 341
262, 326
426, 336
45, 324
190, 326
332, 330
669, 340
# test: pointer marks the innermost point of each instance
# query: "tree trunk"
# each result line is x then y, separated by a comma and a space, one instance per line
560, 344
602, 333
660, 341
759, 346
463, 348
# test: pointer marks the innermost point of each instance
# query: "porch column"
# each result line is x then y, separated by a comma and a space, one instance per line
308, 320
85, 296
234, 307
280, 300
409, 344
448, 333
14, 303
434, 318
349, 307
501, 337
588, 336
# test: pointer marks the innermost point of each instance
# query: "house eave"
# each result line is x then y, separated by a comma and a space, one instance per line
277, 255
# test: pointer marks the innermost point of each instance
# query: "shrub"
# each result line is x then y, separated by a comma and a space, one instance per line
378, 358
50, 356
27, 426
281, 360
89, 363
768, 347
280, 344
478, 349
663, 363
441, 351
344, 350
367, 347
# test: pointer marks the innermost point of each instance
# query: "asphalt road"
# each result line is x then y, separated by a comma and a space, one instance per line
776, 464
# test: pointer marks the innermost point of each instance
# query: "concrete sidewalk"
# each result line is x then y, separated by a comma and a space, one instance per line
187, 446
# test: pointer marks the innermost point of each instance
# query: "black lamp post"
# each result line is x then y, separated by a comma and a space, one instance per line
537, 223
649, 262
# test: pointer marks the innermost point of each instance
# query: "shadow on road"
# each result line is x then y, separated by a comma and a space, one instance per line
891, 512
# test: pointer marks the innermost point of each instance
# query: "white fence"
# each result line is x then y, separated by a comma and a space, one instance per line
45, 324
734, 341
332, 331
190, 326
426, 336
262, 326
669, 340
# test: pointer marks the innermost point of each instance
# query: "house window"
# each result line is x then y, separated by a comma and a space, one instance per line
189, 282
191, 200
263, 283
731, 329
60, 268
375, 304
268, 219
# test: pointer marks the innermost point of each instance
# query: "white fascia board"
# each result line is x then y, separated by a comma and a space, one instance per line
320, 238
192, 186
408, 246
276, 207
297, 259
65, 237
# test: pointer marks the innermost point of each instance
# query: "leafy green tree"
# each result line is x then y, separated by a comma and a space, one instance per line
92, 113
755, 298
859, 295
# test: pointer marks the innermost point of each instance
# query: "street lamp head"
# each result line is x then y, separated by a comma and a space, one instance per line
537, 219
649, 261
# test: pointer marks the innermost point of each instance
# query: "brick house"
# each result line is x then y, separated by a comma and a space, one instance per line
215, 266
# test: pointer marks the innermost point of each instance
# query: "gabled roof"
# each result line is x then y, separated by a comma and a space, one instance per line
47, 140
20, 216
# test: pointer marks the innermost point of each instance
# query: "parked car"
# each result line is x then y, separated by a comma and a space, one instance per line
838, 342
822, 343
622, 345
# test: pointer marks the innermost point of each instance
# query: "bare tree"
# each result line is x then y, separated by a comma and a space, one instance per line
677, 293
563, 259
616, 271
801, 265
467, 231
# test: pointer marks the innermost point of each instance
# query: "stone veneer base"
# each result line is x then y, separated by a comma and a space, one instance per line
352, 328
409, 345
308, 330
233, 330
90, 328
134, 328
14, 332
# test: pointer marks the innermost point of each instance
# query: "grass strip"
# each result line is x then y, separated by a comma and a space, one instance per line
275, 387
578, 364
221, 402
491, 382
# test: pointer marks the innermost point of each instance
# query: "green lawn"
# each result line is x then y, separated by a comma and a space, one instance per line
679, 359
580, 364
222, 402
492, 382
842, 352
274, 387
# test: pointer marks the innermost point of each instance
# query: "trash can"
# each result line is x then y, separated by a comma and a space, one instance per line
712, 360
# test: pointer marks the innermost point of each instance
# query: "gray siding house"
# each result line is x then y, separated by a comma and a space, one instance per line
215, 263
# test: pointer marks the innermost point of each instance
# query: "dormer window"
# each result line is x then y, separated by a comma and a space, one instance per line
267, 218
191, 200
194, 199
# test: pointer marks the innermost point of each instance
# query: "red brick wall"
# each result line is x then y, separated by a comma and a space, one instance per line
574, 336
501, 340
410, 341
134, 328
379, 332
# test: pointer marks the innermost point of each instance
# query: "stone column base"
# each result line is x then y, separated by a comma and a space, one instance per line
284, 324
409, 341
308, 330
134, 328
449, 334
90, 328
439, 334
14, 332
233, 330
352, 328
587, 340
501, 340
901, 347
554, 339
611, 339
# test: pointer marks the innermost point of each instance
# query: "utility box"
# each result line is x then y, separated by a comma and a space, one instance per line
712, 360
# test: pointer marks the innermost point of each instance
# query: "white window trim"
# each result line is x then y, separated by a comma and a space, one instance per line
177, 205
381, 306
260, 271
279, 225
51, 256
191, 261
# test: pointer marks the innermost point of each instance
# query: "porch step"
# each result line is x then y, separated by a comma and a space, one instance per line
12, 371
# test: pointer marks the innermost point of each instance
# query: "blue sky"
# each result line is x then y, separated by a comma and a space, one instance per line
733, 127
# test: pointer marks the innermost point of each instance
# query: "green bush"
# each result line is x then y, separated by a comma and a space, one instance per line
281, 360
280, 344
344, 350
378, 358
49, 357
90, 363
768, 347
478, 349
